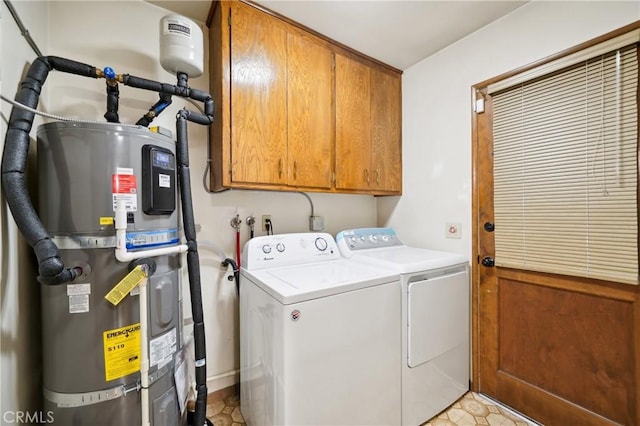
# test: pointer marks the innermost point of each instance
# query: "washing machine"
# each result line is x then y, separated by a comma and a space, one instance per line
319, 335
435, 317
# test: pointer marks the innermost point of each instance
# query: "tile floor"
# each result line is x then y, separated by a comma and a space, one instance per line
470, 410
474, 409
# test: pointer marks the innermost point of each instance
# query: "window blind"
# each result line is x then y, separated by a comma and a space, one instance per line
565, 170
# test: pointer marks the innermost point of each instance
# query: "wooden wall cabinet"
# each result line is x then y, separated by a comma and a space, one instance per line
294, 111
368, 120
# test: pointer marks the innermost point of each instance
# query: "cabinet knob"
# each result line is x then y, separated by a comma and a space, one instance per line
377, 175
366, 175
280, 170
295, 170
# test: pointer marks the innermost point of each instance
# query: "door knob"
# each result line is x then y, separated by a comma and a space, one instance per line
488, 261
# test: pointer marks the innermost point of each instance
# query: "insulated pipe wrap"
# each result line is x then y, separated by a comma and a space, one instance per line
193, 266
14, 162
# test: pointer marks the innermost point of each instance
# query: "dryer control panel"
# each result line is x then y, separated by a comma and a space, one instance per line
353, 240
269, 251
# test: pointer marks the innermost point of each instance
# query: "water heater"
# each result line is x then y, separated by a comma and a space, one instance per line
109, 246
91, 347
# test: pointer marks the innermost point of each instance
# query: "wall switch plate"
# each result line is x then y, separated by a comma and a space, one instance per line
453, 230
316, 223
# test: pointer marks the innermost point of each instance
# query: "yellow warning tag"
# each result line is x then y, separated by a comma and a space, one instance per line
121, 351
106, 221
127, 284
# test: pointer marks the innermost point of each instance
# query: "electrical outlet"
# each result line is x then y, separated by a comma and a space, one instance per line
264, 221
453, 230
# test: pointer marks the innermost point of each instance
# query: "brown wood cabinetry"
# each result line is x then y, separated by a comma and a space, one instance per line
295, 111
368, 117
310, 112
258, 98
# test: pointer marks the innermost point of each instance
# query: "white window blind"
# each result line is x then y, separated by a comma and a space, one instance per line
565, 170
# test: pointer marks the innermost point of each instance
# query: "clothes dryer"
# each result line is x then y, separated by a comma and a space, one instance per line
319, 335
435, 317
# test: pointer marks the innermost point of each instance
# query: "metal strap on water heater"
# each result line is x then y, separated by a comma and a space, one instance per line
85, 398
84, 242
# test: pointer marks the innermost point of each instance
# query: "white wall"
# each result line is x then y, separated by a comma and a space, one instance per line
20, 355
124, 36
437, 109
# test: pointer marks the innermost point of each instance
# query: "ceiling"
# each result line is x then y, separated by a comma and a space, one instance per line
397, 32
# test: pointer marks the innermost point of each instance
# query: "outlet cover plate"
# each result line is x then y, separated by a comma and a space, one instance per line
453, 230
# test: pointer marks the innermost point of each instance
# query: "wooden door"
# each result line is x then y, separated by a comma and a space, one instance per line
310, 112
258, 96
562, 350
353, 124
386, 143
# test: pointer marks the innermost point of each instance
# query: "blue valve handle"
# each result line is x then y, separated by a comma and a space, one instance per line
109, 73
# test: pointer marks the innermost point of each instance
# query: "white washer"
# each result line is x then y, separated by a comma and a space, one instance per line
319, 335
435, 318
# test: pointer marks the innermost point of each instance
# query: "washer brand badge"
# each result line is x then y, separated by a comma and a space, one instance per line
295, 315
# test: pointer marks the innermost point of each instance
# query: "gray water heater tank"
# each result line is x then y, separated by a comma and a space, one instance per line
91, 348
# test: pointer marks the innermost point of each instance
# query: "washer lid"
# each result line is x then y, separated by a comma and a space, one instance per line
298, 283
405, 259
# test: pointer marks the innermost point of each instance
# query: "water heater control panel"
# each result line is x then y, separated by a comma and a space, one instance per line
158, 180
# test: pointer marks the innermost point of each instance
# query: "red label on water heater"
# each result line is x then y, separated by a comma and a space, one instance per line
123, 189
123, 184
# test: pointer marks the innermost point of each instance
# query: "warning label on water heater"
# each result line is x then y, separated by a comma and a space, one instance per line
124, 189
121, 351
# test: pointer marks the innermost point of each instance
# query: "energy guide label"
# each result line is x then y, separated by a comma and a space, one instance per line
162, 348
121, 351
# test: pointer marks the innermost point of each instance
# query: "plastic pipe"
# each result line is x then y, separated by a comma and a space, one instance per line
144, 352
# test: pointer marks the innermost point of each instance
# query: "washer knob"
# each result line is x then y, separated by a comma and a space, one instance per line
280, 247
321, 244
373, 238
266, 249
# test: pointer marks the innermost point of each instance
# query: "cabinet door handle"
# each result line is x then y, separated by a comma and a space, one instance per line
377, 174
295, 170
280, 171
366, 175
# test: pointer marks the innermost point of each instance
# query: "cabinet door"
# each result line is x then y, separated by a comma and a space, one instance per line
258, 96
386, 143
310, 111
353, 124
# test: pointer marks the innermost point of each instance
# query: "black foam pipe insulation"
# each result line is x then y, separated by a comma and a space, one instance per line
193, 266
112, 103
51, 268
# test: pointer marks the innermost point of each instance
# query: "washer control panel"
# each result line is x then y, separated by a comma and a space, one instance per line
289, 249
352, 240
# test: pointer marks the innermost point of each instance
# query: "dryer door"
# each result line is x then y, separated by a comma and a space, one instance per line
438, 316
